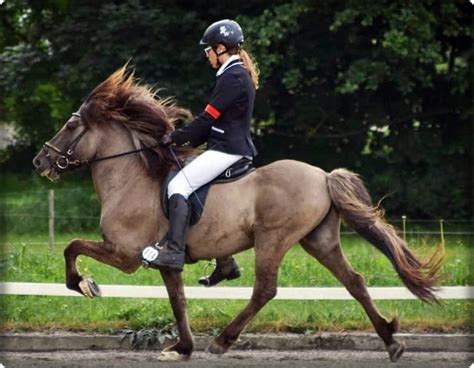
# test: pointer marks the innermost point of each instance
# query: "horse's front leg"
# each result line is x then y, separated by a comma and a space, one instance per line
104, 252
183, 349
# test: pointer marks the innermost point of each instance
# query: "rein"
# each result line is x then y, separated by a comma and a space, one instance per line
64, 161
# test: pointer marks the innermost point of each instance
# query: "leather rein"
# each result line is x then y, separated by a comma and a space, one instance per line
64, 161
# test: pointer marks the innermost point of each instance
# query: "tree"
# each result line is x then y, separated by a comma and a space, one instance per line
380, 87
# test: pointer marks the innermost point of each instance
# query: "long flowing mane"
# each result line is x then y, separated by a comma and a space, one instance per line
147, 117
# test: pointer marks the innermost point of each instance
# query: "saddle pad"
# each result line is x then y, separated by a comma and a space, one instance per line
197, 199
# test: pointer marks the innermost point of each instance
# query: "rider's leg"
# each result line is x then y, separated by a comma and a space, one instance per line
173, 255
207, 166
200, 171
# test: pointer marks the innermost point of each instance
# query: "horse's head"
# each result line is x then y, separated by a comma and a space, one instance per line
118, 103
73, 145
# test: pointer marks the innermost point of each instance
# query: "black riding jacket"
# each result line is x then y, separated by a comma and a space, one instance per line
225, 122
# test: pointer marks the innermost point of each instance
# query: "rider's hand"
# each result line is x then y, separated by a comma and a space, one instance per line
167, 139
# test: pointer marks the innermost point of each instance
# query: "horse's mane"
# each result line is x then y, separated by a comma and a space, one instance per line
120, 98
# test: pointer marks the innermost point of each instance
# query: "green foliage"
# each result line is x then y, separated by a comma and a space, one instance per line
148, 337
335, 78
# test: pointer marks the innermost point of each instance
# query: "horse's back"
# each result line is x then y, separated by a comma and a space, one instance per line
291, 169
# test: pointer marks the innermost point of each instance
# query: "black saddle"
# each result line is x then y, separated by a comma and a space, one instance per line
197, 199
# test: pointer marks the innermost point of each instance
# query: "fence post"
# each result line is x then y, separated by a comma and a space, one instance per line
404, 224
51, 218
441, 230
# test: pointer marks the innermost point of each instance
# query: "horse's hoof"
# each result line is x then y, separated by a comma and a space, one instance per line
396, 350
89, 288
172, 356
215, 348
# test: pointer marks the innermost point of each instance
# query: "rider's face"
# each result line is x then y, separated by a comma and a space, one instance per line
211, 54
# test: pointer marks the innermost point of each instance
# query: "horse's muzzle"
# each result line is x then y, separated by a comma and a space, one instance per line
44, 167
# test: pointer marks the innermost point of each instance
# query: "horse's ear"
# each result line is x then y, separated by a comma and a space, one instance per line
128, 73
123, 77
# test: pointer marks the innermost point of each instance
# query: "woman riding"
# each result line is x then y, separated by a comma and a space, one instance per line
225, 126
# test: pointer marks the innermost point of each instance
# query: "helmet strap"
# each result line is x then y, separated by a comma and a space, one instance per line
219, 64
220, 53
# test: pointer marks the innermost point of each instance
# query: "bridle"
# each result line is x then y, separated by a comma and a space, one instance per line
64, 161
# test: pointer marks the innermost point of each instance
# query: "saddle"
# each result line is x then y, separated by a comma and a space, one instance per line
197, 199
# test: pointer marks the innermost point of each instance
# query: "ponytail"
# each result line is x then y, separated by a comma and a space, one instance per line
251, 65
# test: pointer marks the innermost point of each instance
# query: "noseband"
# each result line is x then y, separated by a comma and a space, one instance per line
64, 161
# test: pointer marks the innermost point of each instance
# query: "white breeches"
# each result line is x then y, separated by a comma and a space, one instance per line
207, 166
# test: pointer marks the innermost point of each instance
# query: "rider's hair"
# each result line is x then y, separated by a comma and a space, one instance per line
249, 63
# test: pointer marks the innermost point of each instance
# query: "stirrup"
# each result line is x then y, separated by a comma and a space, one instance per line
217, 276
150, 253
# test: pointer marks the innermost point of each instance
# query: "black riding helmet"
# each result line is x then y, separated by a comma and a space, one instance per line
226, 32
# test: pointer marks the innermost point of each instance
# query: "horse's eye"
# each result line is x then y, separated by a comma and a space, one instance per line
72, 124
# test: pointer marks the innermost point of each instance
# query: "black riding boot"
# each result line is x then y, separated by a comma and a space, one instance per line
226, 269
173, 254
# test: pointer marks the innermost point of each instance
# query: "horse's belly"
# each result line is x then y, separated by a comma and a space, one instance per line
217, 240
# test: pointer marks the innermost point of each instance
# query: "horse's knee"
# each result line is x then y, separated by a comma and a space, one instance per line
72, 248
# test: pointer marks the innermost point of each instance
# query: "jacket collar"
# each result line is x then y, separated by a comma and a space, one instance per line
230, 62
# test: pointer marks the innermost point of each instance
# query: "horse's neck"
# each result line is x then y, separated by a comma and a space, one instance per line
123, 178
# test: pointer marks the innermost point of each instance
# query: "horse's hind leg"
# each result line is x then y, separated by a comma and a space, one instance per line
101, 251
183, 349
324, 244
268, 257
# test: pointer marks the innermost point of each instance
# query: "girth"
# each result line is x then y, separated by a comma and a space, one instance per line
197, 199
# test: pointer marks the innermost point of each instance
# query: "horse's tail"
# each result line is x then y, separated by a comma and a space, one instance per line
351, 199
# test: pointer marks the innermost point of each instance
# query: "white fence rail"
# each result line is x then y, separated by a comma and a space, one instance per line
235, 293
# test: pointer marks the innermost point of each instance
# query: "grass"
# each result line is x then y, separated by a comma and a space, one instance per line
35, 263
112, 314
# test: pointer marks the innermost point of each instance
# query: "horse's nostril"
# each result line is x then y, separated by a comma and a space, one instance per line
37, 162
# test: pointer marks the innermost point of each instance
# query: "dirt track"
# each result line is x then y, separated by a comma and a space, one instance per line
265, 358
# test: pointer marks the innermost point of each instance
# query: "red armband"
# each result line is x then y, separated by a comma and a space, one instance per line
211, 110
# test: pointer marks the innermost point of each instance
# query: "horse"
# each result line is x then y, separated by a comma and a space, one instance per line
117, 132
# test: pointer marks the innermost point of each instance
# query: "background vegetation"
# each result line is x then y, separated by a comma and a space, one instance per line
383, 88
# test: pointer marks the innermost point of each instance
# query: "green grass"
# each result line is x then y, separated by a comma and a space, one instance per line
35, 263
113, 314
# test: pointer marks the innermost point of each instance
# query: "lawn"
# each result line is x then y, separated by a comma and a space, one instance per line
27, 258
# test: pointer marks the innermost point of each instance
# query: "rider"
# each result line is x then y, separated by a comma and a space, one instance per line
225, 125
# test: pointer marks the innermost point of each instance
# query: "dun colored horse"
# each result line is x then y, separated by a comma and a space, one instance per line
117, 132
